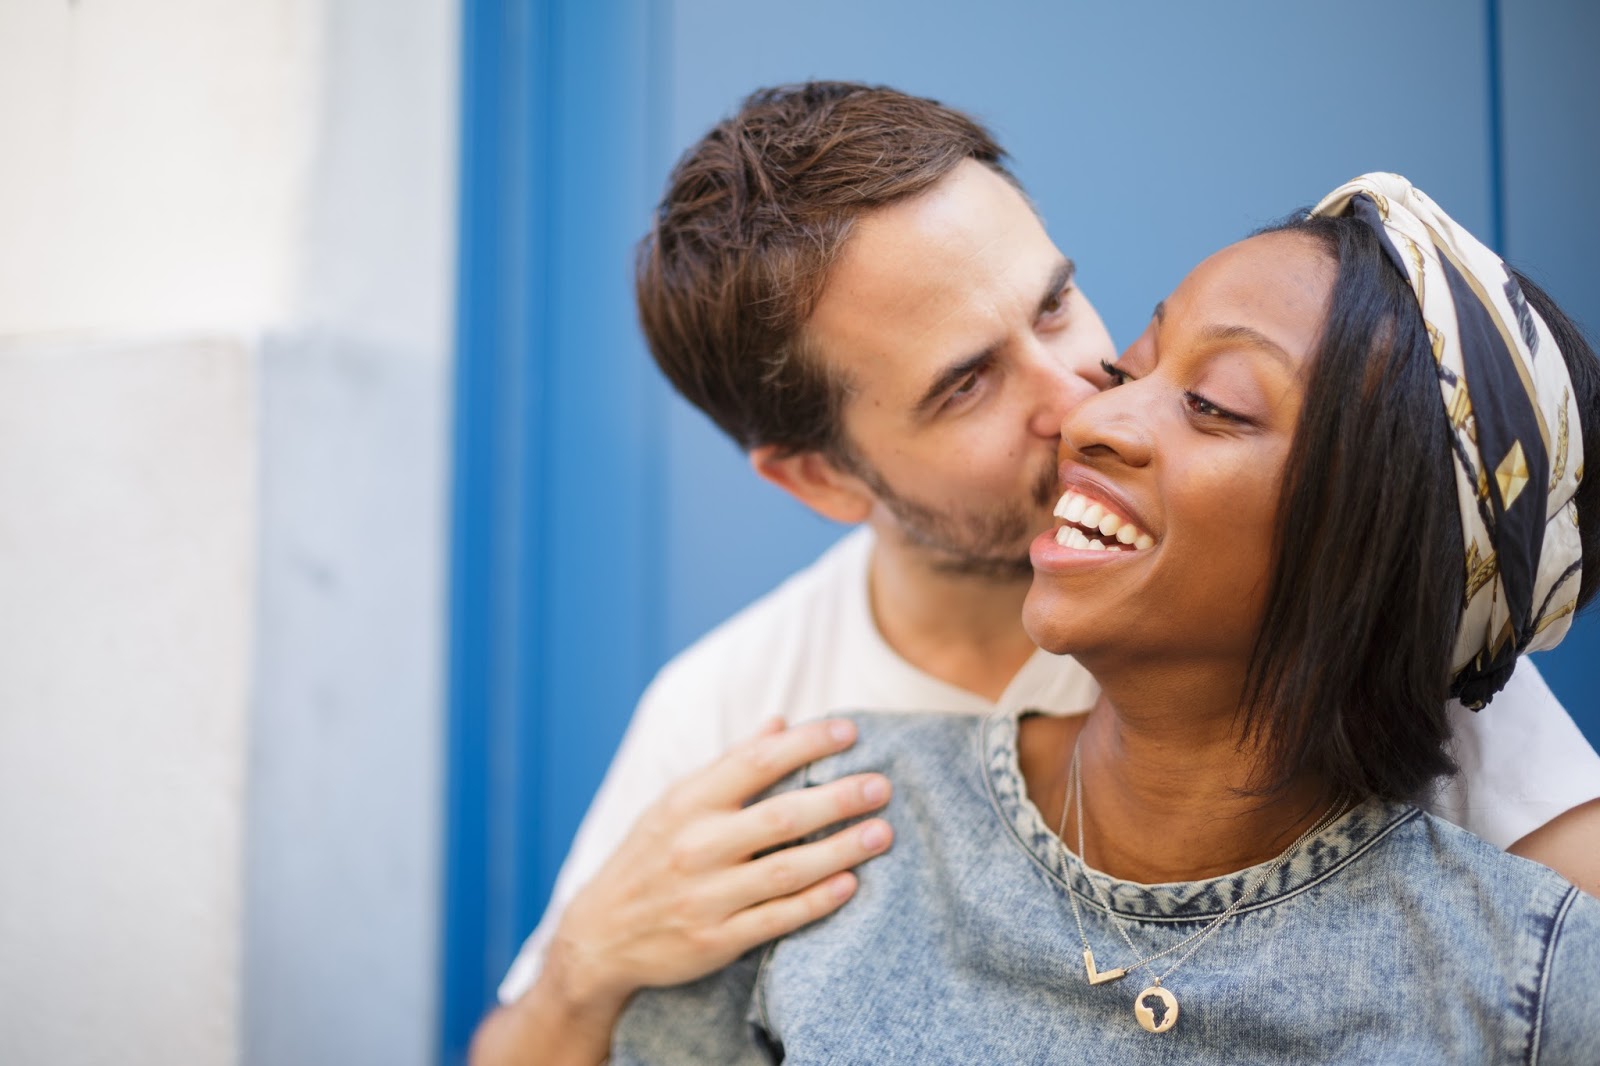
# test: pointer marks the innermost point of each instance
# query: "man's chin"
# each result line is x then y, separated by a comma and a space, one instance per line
1000, 569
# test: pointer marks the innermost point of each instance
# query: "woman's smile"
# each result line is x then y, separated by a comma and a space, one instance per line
1095, 525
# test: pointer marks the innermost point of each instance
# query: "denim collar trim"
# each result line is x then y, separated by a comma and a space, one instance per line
1321, 857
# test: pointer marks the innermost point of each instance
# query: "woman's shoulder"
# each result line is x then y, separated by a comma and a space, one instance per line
1435, 857
1513, 901
897, 741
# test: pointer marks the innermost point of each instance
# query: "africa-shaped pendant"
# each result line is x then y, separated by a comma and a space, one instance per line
1156, 1009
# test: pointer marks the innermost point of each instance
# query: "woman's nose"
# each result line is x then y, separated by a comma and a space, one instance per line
1113, 424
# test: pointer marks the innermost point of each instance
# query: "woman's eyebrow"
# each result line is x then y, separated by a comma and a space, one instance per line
1224, 333
1251, 336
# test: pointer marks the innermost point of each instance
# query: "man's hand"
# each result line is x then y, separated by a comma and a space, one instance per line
685, 894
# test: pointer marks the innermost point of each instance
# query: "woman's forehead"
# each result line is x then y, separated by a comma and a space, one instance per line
1277, 286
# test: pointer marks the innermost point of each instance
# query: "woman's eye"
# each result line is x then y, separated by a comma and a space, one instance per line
1205, 408
1055, 304
1118, 377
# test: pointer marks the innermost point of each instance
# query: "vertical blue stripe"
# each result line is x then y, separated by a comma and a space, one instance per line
555, 585
1495, 118
500, 331
475, 471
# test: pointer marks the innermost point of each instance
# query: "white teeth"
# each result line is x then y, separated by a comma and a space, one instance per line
1078, 509
1070, 506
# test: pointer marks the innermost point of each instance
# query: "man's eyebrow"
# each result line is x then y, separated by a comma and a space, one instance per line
951, 375
1160, 313
1060, 278
948, 379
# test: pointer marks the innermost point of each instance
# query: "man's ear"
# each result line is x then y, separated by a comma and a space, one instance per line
816, 481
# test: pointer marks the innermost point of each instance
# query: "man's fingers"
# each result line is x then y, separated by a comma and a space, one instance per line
780, 819
752, 767
789, 871
778, 917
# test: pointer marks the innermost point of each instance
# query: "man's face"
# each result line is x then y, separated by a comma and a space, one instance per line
963, 339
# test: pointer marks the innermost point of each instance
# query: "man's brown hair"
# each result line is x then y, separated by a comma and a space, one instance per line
754, 216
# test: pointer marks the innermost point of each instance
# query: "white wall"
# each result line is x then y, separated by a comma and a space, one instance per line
127, 515
156, 161
343, 879
226, 234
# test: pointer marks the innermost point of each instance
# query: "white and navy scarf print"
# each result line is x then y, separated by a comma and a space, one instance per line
1518, 448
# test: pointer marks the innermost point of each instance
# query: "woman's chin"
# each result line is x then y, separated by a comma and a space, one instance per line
1048, 617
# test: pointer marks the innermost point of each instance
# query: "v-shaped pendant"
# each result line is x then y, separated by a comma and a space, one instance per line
1095, 976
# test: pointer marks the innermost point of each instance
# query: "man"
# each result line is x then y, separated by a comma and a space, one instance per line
850, 283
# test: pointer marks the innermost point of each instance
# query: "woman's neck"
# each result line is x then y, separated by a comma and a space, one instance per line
1165, 781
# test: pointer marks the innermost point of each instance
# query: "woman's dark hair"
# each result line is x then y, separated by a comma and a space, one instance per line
1351, 672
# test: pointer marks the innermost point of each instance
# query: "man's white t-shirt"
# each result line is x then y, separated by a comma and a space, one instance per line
811, 648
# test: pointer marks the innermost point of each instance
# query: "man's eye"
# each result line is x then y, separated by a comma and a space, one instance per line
1117, 376
1055, 303
968, 384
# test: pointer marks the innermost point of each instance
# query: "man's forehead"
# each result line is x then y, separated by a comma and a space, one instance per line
971, 235
935, 287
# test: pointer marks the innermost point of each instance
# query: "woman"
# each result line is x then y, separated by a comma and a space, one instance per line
1287, 536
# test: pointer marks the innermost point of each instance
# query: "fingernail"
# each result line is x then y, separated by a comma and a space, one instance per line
841, 887
841, 731
874, 836
875, 790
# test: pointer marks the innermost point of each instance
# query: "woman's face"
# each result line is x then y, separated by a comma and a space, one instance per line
1177, 469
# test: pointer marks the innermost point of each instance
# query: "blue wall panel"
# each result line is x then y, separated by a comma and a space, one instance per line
1551, 120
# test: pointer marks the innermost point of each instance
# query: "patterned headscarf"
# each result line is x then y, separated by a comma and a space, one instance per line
1518, 447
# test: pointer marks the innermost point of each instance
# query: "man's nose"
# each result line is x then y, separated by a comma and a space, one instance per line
1062, 387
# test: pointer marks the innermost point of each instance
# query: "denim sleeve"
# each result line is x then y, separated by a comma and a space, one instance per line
712, 1020
1569, 1025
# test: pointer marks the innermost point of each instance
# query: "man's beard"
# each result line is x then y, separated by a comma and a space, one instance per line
968, 543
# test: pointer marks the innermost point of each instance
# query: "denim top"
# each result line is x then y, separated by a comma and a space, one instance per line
1392, 937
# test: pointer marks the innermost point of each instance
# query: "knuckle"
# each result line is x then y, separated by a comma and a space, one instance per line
674, 806
782, 875
773, 922
777, 821
702, 939
683, 855
817, 902
848, 799
762, 756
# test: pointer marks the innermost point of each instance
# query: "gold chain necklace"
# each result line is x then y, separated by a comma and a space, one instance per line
1162, 1014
